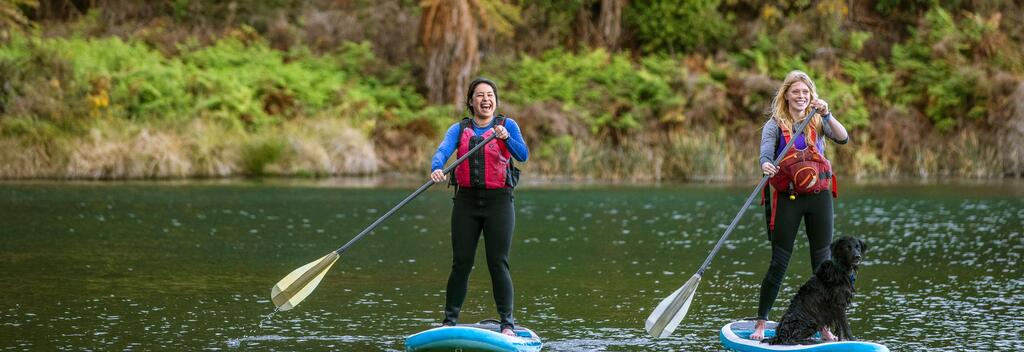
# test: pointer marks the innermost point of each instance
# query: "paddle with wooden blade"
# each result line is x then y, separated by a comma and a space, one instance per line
298, 284
667, 315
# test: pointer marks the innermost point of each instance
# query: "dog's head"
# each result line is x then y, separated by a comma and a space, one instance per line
848, 251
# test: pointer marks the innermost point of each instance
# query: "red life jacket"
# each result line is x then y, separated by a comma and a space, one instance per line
801, 171
490, 166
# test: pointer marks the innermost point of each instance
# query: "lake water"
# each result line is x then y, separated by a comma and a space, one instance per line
189, 266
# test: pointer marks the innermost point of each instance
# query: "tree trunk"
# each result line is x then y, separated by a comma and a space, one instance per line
609, 23
449, 33
599, 23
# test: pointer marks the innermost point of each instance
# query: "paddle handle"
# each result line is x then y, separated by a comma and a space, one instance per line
430, 182
760, 185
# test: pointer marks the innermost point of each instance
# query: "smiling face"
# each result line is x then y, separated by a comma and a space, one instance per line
793, 98
483, 100
798, 96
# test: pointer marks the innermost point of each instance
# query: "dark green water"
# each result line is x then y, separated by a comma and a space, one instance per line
189, 266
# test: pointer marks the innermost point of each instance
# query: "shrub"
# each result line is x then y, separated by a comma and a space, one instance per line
242, 83
615, 95
258, 153
934, 74
677, 27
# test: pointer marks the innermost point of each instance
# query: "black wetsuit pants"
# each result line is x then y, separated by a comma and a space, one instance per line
489, 211
816, 212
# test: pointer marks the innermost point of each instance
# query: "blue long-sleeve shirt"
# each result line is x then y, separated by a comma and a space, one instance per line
516, 144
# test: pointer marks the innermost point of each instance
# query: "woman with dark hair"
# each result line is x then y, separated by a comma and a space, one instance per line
807, 198
483, 198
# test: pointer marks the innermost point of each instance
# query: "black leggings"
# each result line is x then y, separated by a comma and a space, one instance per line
816, 212
490, 211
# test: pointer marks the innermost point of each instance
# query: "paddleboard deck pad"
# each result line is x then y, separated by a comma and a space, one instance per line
484, 336
736, 337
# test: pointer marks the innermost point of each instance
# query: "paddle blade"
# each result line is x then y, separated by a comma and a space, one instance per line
295, 287
666, 317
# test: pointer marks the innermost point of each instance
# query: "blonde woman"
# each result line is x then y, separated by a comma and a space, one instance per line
807, 198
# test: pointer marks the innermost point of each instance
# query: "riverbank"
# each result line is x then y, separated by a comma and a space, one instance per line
410, 181
160, 99
323, 148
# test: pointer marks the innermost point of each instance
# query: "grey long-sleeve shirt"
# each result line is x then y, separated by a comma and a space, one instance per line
770, 140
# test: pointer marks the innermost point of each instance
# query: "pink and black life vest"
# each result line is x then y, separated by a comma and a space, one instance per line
490, 167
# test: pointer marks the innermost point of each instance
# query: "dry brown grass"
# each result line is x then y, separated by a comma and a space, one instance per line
20, 159
325, 147
655, 157
119, 150
214, 149
560, 149
1012, 131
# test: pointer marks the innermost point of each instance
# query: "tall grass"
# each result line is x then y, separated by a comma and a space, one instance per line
118, 150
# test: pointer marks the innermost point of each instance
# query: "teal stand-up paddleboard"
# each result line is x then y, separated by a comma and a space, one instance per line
480, 337
736, 336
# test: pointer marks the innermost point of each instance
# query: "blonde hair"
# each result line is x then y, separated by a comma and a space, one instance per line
780, 107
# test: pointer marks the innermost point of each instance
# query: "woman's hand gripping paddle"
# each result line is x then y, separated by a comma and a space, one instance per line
301, 282
667, 315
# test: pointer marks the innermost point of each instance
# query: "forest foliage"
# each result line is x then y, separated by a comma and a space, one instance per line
608, 89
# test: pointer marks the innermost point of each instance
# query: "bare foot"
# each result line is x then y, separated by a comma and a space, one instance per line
508, 332
758, 333
826, 335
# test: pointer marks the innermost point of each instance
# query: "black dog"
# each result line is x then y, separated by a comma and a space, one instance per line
821, 302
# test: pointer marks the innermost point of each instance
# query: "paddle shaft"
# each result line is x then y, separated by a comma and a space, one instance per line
430, 182
760, 185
